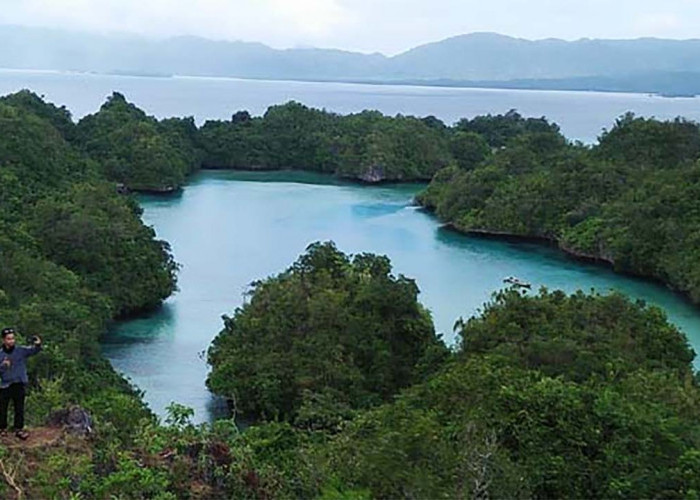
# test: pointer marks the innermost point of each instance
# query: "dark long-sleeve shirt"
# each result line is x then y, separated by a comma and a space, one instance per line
17, 371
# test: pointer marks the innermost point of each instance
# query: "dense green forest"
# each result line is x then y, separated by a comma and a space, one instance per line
632, 200
146, 154
136, 149
74, 255
330, 332
545, 396
367, 146
334, 365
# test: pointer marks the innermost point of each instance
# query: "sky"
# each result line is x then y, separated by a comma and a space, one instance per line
387, 26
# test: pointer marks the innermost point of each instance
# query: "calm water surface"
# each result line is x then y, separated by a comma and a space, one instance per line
582, 115
228, 229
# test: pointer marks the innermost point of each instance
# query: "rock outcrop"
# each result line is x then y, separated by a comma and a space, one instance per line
75, 420
373, 175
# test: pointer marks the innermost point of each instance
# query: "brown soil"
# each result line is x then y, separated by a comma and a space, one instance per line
39, 437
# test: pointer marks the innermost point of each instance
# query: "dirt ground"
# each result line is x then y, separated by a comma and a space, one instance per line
38, 437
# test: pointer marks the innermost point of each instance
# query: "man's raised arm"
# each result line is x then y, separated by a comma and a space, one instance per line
35, 348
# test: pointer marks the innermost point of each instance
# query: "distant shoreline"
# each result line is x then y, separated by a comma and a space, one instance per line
545, 85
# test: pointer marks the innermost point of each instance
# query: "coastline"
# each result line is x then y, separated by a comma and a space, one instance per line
564, 250
336, 177
483, 233
520, 85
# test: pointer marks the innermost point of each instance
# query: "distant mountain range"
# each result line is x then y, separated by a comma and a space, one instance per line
670, 67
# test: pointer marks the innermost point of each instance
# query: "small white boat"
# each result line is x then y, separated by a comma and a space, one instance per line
516, 282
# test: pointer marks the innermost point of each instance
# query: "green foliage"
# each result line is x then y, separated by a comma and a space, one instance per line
73, 255
508, 419
651, 144
498, 130
99, 237
469, 149
577, 336
633, 200
328, 335
134, 149
555, 396
131, 480
59, 117
179, 416
34, 160
146, 154
375, 147
367, 146
55, 207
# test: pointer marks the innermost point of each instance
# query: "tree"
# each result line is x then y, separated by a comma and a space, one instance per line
469, 149
330, 334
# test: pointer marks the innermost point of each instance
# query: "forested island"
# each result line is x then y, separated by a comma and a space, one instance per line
335, 366
631, 200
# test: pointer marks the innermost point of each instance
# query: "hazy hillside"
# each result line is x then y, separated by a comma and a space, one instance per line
479, 59
487, 56
40, 48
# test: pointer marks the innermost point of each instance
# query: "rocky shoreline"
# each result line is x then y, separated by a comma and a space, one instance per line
571, 253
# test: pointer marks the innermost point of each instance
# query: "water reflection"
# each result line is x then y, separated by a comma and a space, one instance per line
145, 330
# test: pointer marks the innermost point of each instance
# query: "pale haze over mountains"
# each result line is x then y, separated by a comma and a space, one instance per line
478, 59
386, 26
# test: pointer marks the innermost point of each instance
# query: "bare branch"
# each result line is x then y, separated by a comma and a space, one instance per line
10, 479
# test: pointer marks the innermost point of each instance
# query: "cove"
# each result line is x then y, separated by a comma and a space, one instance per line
228, 229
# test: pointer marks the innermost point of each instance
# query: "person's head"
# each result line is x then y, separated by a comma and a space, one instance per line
8, 337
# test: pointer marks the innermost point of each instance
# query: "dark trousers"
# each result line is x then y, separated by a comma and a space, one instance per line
14, 393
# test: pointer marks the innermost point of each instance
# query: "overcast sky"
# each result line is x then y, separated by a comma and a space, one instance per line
387, 26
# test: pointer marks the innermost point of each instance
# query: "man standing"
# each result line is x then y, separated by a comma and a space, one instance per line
13, 379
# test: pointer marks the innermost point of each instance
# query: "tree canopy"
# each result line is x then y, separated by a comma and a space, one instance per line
631, 200
331, 332
74, 255
548, 396
135, 149
348, 390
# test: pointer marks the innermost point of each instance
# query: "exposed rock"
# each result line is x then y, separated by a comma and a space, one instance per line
373, 174
158, 190
75, 420
602, 256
